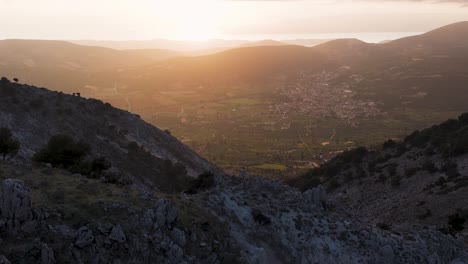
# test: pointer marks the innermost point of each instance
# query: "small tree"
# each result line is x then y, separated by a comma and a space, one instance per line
4, 80
8, 145
15, 80
456, 222
62, 150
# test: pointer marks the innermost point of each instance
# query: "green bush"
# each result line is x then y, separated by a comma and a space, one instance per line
62, 150
392, 169
395, 181
8, 145
204, 181
333, 185
389, 144
456, 222
411, 171
260, 218
429, 167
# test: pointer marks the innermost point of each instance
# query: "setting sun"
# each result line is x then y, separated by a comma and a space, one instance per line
193, 20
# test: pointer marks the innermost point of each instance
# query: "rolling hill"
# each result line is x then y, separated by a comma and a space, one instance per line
290, 104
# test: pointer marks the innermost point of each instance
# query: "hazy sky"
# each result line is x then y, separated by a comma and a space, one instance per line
200, 19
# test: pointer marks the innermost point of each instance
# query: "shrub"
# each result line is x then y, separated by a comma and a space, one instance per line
463, 119
392, 169
448, 165
395, 181
8, 145
132, 148
429, 167
92, 169
411, 171
389, 144
456, 222
62, 150
4, 80
99, 165
333, 185
441, 181
260, 218
384, 226
452, 173
204, 181
36, 103
429, 151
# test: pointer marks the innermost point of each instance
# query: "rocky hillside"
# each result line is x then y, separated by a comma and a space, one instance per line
51, 215
136, 150
422, 180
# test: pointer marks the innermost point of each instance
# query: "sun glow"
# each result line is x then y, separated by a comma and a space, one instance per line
191, 20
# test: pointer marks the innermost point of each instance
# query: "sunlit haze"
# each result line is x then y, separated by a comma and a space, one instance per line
207, 19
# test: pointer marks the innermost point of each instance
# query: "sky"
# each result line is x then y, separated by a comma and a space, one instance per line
205, 19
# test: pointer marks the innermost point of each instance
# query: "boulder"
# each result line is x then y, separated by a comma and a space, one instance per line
84, 237
317, 195
4, 260
165, 212
178, 236
388, 255
15, 202
47, 255
117, 235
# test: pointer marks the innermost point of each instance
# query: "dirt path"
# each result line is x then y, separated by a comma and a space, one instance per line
129, 105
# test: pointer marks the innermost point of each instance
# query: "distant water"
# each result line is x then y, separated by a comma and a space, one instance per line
371, 37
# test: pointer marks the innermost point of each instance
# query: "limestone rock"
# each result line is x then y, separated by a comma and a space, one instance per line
4, 260
117, 235
178, 236
47, 255
84, 237
165, 212
15, 202
388, 255
317, 195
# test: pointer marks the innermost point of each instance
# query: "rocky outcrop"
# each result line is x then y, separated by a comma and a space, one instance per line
164, 213
15, 203
84, 237
300, 230
117, 235
317, 195
4, 260
47, 255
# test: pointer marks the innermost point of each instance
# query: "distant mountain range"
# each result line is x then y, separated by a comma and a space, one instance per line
193, 47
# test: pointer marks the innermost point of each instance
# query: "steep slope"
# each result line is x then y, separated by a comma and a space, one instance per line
421, 180
50, 215
35, 115
70, 219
